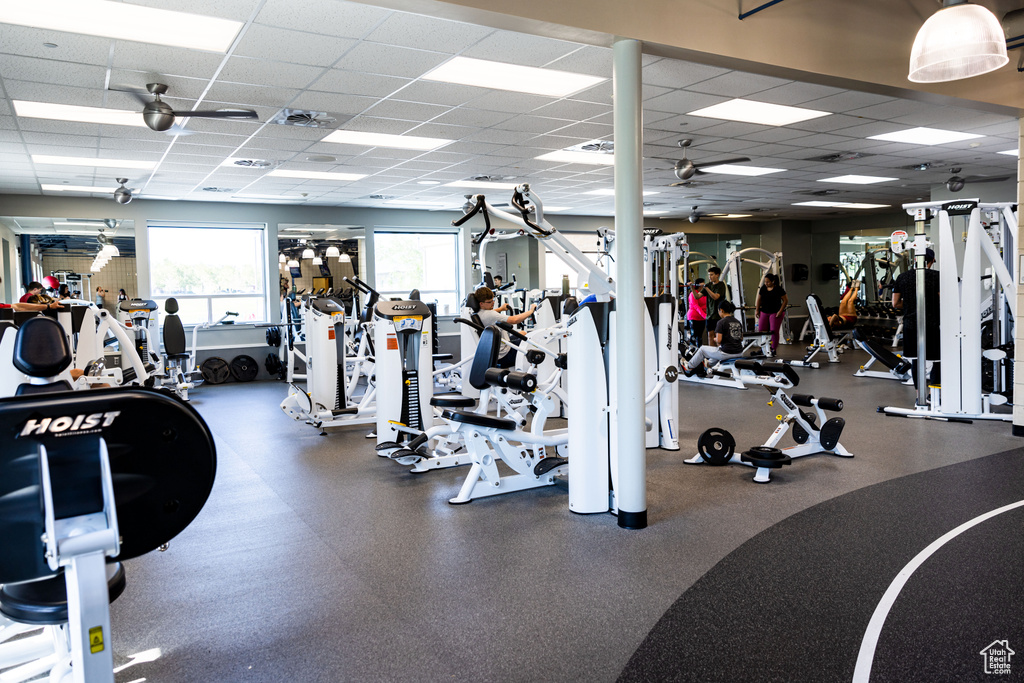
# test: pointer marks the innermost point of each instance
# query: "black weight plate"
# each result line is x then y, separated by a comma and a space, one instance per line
244, 368
273, 336
215, 370
716, 446
273, 364
830, 432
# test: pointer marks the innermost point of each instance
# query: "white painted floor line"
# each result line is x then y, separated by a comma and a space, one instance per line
866, 656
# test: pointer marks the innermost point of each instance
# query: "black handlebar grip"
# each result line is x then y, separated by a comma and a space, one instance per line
478, 328
511, 330
805, 400
518, 380
833, 404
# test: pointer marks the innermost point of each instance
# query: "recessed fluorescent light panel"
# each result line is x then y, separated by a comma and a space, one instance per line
317, 175
611, 192
124, 21
732, 169
749, 111
75, 188
354, 137
567, 157
71, 112
484, 184
857, 179
841, 205
90, 161
501, 76
1012, 152
925, 136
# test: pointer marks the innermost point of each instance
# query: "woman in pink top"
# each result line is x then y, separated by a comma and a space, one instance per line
697, 310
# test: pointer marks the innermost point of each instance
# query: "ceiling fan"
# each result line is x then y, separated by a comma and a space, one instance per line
956, 183
159, 116
686, 168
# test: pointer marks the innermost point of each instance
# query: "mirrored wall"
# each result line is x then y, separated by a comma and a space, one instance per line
319, 257
83, 254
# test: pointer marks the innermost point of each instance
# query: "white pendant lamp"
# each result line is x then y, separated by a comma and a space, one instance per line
317, 261
281, 258
332, 252
958, 41
344, 258
308, 253
293, 264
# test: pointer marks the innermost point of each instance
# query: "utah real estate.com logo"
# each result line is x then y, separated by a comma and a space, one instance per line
997, 657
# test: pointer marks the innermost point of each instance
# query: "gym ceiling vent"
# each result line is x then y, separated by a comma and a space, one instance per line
307, 118
253, 163
817, 193
836, 157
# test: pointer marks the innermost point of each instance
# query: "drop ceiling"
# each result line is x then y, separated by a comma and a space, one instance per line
363, 66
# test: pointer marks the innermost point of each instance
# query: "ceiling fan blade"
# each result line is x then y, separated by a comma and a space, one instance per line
139, 95
721, 162
985, 179
219, 114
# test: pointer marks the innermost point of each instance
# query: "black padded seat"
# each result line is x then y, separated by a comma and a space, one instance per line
41, 349
174, 332
479, 420
453, 400
48, 388
45, 602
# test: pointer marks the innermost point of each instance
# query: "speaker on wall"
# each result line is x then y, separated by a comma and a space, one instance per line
829, 271
799, 272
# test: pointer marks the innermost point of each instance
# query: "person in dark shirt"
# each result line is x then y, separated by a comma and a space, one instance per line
770, 307
728, 334
715, 293
904, 300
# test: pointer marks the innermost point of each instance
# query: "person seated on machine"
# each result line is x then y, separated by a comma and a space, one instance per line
847, 315
729, 337
489, 315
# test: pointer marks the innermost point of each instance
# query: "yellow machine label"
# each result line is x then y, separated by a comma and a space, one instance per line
96, 639
407, 317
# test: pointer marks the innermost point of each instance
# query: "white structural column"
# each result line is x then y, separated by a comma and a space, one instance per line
1018, 334
629, 449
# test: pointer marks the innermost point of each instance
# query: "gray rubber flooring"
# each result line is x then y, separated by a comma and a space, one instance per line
315, 560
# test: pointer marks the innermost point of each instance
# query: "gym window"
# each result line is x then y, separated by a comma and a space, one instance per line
210, 270
429, 261
554, 267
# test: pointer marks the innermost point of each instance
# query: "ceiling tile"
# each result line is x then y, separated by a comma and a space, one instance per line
682, 102
672, 73
511, 102
533, 124
464, 116
737, 84
795, 94
269, 73
588, 60
341, 19
374, 58
30, 42
409, 111
285, 45
572, 109
332, 103
249, 95
518, 48
373, 124
368, 85
427, 33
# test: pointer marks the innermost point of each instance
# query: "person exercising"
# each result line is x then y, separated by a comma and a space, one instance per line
847, 315
715, 292
770, 307
904, 300
697, 311
489, 315
729, 338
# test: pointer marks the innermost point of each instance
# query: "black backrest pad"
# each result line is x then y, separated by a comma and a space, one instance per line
162, 458
171, 306
41, 349
174, 334
486, 357
472, 303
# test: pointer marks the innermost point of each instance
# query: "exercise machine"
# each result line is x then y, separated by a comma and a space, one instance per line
960, 396
71, 511
766, 262
718, 447
897, 368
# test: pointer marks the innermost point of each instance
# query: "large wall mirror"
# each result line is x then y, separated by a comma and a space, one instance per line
82, 253
312, 258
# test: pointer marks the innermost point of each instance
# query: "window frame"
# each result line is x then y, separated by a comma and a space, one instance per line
260, 263
457, 237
